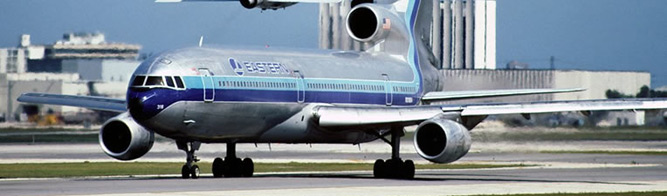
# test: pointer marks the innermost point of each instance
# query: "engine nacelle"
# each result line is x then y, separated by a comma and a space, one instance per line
123, 139
370, 22
441, 140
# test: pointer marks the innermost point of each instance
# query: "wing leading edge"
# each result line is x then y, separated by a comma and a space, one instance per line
449, 95
90, 102
348, 116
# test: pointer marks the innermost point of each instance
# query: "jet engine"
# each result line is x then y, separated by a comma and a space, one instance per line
123, 139
265, 4
441, 140
371, 22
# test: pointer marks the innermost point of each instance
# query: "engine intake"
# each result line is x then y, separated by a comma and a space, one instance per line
370, 22
441, 140
123, 139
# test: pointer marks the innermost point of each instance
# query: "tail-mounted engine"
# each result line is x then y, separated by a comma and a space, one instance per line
441, 140
373, 23
123, 139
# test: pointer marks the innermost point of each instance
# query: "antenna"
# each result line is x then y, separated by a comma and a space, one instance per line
201, 40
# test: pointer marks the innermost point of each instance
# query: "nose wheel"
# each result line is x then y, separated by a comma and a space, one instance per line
190, 169
232, 166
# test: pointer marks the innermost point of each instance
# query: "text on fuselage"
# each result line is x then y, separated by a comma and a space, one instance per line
241, 67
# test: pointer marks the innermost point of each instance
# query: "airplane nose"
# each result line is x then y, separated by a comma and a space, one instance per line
136, 107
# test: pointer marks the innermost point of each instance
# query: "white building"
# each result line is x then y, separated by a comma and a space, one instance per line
463, 31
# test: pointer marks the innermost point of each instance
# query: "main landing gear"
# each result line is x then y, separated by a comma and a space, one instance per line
232, 166
395, 167
189, 170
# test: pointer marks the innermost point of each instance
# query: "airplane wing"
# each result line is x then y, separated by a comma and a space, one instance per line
349, 116
90, 102
450, 95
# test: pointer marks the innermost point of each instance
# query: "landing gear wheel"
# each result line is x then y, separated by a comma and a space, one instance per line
232, 166
185, 172
247, 167
379, 168
189, 170
408, 169
218, 167
395, 167
194, 172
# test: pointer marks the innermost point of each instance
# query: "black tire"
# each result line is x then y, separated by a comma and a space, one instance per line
194, 172
232, 167
378, 169
217, 168
408, 170
248, 167
185, 172
394, 168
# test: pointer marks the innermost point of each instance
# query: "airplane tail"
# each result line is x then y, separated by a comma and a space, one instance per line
402, 28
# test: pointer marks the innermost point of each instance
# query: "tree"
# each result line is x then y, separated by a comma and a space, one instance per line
614, 94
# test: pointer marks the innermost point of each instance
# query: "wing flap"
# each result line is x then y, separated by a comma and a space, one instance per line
332, 116
95, 103
449, 95
561, 106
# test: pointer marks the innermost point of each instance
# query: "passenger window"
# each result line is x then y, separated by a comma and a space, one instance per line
170, 81
154, 81
179, 82
138, 80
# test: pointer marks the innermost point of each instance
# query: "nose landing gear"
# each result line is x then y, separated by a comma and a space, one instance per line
189, 170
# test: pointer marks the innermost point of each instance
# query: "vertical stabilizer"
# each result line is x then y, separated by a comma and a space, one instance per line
419, 17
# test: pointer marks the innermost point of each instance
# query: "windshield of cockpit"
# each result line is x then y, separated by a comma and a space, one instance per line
158, 82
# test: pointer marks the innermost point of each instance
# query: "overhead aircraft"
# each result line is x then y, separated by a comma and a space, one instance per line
272, 95
261, 4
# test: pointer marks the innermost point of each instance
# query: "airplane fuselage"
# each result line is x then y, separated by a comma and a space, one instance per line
264, 95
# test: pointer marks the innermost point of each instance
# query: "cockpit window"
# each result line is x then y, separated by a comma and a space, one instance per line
155, 81
158, 81
170, 81
179, 82
138, 80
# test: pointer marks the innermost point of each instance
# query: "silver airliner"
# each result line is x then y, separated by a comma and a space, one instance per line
271, 95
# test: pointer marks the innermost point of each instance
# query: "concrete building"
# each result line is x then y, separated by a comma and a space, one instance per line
463, 31
80, 64
596, 84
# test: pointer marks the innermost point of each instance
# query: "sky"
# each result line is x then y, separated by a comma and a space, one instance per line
586, 35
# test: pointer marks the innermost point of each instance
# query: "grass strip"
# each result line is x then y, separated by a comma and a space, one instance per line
46, 170
650, 193
654, 153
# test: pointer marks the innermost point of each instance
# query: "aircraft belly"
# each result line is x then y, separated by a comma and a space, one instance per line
221, 121
247, 122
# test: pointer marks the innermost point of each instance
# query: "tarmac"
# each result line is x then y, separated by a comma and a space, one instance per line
551, 173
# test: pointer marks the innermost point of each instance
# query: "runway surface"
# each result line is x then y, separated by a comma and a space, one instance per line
553, 173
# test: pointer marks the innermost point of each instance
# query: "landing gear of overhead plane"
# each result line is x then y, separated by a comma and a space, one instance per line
189, 170
395, 167
232, 166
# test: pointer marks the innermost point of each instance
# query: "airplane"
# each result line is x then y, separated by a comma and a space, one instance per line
274, 95
261, 4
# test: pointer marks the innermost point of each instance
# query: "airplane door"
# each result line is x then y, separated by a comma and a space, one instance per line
207, 85
389, 93
300, 86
